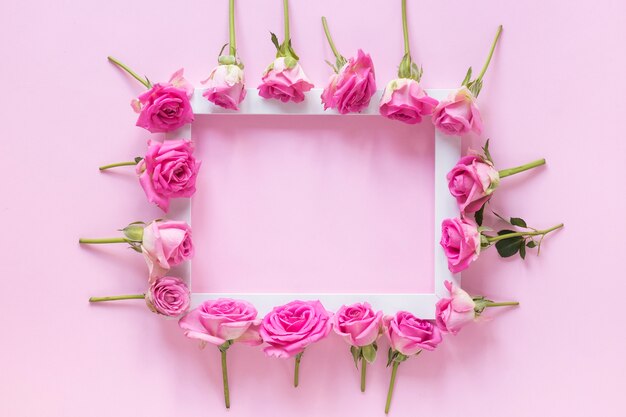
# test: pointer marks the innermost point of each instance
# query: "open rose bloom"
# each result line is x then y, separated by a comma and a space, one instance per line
165, 106
351, 90
458, 114
405, 100
408, 334
460, 240
358, 324
225, 86
284, 83
168, 296
453, 313
166, 244
472, 182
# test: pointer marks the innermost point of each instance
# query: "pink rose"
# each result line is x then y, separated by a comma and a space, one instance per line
408, 335
165, 106
455, 312
358, 324
222, 320
284, 83
460, 241
406, 101
458, 114
225, 86
472, 182
169, 170
290, 328
168, 296
166, 244
351, 89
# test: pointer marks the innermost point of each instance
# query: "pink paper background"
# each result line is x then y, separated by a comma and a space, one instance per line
555, 89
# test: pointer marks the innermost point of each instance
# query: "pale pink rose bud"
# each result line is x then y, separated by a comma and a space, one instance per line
285, 80
168, 296
169, 170
453, 313
358, 324
460, 240
406, 101
166, 244
458, 114
472, 182
351, 89
225, 86
408, 334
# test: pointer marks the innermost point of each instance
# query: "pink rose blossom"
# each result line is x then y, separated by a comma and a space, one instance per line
460, 241
222, 320
284, 83
458, 114
168, 296
165, 106
351, 89
358, 324
406, 101
472, 182
169, 170
455, 312
225, 86
408, 334
166, 244
290, 328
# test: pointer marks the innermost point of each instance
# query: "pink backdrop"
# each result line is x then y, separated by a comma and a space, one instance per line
555, 89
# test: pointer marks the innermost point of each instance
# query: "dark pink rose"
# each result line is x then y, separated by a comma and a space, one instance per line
406, 101
169, 170
460, 241
290, 328
222, 320
358, 324
453, 313
408, 334
351, 89
225, 86
458, 114
165, 106
472, 182
166, 244
284, 82
168, 296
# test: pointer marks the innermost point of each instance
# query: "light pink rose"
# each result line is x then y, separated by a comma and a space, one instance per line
169, 170
351, 89
290, 328
284, 83
460, 241
358, 324
472, 182
458, 114
166, 244
408, 334
225, 86
455, 312
165, 106
168, 296
222, 320
406, 101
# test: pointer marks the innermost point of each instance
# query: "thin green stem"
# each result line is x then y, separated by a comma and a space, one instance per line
405, 29
117, 298
502, 304
142, 80
118, 164
521, 168
363, 373
104, 240
493, 48
231, 27
296, 373
492, 239
392, 383
286, 17
225, 379
330, 39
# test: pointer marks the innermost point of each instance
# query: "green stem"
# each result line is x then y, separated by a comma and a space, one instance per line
231, 27
225, 379
296, 373
493, 47
492, 239
392, 383
286, 17
142, 80
405, 29
502, 304
363, 373
117, 298
118, 164
104, 240
330, 39
521, 168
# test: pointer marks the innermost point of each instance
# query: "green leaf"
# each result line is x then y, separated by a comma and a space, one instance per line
531, 244
509, 247
517, 221
522, 251
356, 355
468, 76
274, 39
369, 353
478, 216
